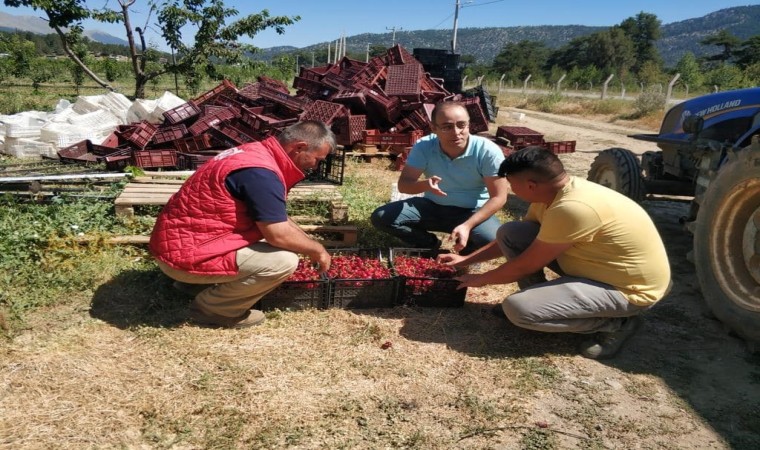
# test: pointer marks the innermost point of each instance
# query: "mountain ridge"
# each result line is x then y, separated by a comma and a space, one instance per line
484, 43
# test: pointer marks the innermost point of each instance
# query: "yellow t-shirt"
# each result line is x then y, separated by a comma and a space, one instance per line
614, 239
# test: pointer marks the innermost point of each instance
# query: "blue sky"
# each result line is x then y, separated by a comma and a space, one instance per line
326, 20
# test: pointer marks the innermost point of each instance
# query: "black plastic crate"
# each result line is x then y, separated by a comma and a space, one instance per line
297, 295
302, 290
356, 293
425, 291
331, 169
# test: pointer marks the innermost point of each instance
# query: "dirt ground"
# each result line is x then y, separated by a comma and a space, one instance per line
693, 357
118, 367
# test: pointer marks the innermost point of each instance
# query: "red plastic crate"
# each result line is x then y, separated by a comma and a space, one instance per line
295, 103
414, 120
169, 134
155, 158
375, 137
349, 130
404, 81
354, 99
193, 144
230, 135
77, 153
273, 83
399, 55
390, 107
558, 147
520, 136
206, 122
191, 161
181, 113
117, 162
250, 92
325, 112
225, 86
478, 120
140, 134
227, 100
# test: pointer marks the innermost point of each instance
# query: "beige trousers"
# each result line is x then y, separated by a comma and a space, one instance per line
261, 268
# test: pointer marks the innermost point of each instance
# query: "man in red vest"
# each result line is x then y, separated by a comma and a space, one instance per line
210, 232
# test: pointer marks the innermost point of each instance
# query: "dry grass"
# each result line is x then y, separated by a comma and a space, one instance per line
118, 367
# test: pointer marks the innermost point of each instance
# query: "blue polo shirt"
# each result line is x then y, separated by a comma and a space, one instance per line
462, 177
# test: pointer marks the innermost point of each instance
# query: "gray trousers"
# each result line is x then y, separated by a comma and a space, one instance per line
566, 304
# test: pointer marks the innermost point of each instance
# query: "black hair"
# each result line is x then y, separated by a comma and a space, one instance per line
544, 164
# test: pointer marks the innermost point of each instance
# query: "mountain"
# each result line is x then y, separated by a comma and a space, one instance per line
485, 43
36, 25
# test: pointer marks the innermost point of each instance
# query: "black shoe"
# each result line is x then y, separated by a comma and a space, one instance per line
498, 311
606, 344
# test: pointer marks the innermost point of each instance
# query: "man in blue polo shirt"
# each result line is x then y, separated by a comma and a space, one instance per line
461, 187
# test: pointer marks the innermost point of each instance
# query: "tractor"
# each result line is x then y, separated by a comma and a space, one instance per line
709, 149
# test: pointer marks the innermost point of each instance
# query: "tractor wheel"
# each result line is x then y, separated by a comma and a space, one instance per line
618, 169
727, 244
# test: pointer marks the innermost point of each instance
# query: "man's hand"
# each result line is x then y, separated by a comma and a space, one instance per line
433, 186
322, 260
460, 235
449, 259
470, 280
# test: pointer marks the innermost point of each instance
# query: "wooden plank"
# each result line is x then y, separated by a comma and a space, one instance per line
149, 193
348, 232
87, 176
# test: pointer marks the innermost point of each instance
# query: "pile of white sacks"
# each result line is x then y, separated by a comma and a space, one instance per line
94, 117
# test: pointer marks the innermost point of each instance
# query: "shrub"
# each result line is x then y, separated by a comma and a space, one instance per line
647, 103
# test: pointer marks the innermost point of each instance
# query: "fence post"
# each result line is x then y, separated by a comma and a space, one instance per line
559, 82
622, 89
715, 88
501, 80
670, 89
525, 83
642, 87
606, 83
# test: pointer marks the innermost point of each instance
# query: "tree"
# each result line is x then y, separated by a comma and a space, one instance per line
644, 31
612, 50
688, 67
749, 53
22, 53
725, 77
725, 39
206, 20
521, 59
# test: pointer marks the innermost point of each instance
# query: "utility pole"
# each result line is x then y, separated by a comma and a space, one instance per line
312, 60
394, 33
456, 20
366, 58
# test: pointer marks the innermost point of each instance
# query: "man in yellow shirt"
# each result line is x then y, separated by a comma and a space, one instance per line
605, 247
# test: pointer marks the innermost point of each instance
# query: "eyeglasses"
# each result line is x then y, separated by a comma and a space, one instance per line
448, 127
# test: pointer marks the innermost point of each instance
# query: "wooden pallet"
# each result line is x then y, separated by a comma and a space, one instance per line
348, 236
152, 191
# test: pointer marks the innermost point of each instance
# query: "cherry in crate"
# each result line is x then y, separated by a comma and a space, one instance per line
306, 271
359, 269
426, 282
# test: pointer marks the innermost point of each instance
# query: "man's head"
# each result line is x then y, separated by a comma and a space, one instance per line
307, 143
534, 173
450, 121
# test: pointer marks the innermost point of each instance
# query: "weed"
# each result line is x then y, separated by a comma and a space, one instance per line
538, 440
536, 373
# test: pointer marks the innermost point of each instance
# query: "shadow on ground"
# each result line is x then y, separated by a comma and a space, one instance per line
139, 298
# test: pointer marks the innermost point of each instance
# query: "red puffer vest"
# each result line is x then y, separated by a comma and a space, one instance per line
202, 225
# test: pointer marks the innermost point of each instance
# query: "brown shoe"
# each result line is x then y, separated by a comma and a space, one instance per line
249, 319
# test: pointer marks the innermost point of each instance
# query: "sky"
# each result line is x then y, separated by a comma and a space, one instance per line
327, 20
